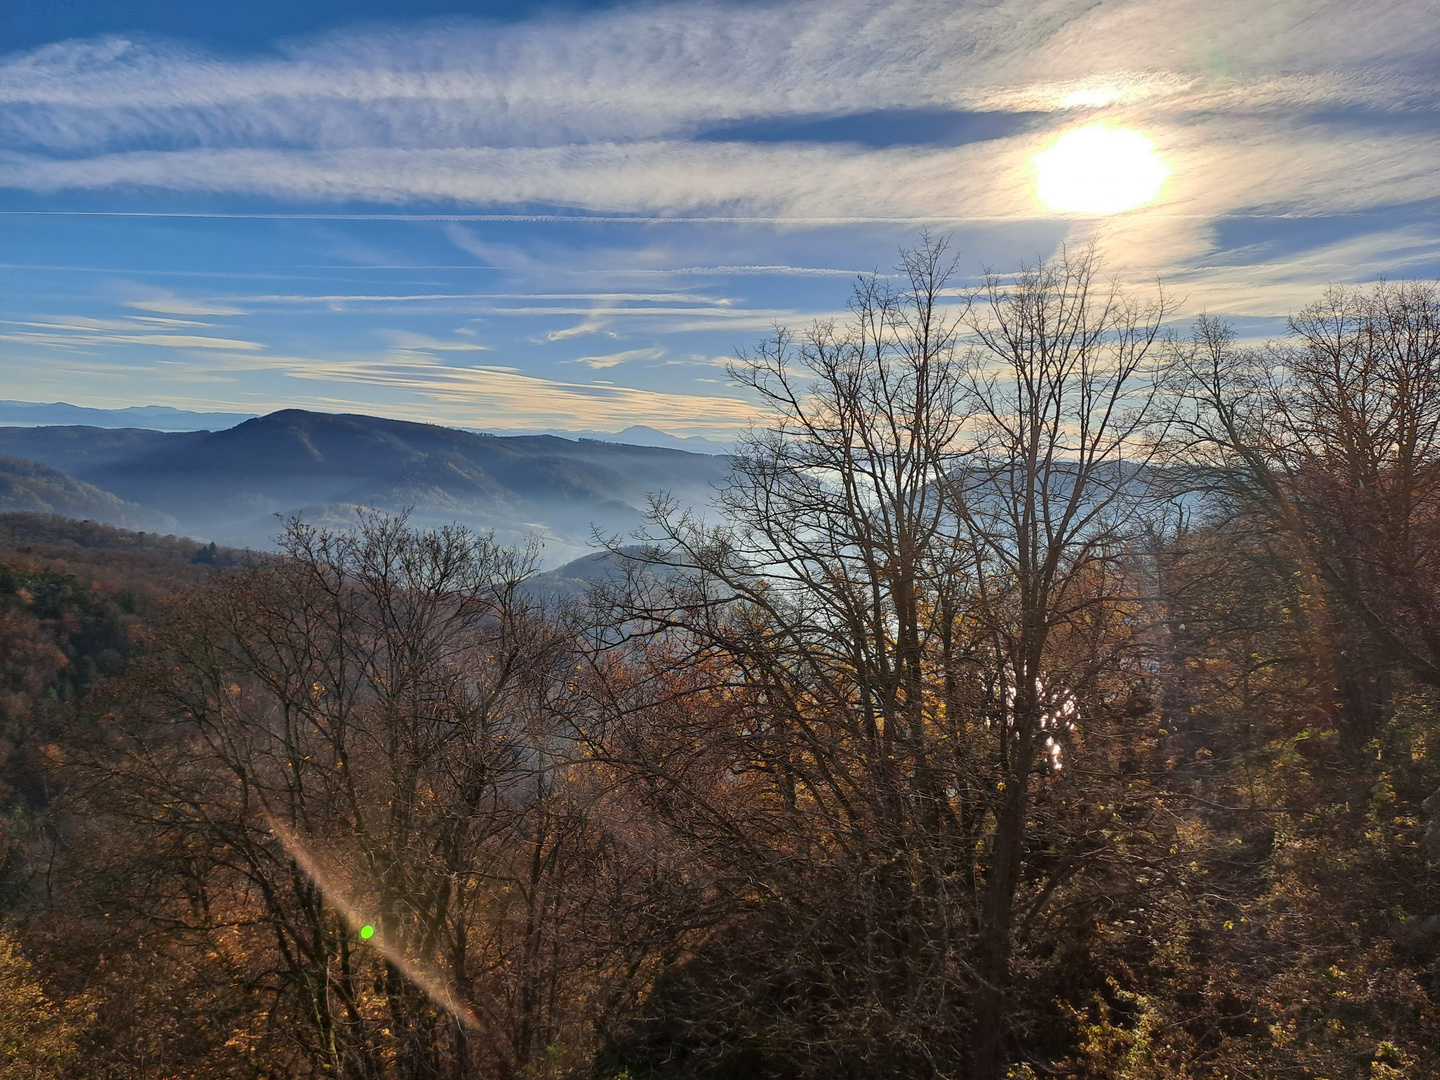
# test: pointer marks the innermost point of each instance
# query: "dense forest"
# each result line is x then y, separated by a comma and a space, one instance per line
1048, 693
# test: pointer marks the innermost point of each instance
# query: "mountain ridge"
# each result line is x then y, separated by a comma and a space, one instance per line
168, 418
232, 484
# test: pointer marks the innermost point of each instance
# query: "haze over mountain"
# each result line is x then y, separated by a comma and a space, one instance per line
230, 485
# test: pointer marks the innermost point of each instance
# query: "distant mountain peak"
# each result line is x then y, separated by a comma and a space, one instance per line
152, 417
634, 435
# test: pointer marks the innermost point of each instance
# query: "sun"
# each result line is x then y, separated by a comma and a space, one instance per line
1099, 169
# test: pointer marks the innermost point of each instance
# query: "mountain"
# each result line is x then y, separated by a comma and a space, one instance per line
638, 435
155, 417
30, 488
230, 485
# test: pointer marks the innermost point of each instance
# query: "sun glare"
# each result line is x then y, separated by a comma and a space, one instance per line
1099, 169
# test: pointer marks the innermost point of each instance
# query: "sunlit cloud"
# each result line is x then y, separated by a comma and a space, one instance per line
410, 386
1091, 98
419, 388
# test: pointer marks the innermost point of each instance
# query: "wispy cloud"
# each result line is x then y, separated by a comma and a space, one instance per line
616, 359
1266, 284
400, 298
156, 320
591, 324
162, 341
405, 339
506, 115
85, 322
645, 70
170, 304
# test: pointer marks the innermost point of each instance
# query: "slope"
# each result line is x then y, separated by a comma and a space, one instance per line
28, 487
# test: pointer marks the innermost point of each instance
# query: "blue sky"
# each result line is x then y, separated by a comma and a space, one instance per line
515, 217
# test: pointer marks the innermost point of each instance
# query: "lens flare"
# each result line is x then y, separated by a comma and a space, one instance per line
1099, 169
337, 895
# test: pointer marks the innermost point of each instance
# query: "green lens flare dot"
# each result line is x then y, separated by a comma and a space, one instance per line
367, 932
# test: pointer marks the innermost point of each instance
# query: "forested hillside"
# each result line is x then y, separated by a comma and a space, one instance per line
26, 487
1049, 695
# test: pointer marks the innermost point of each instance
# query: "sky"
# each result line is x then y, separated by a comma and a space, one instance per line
523, 216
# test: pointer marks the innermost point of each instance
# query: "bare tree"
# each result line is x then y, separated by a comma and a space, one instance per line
371, 730
1333, 434
907, 618
1063, 385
